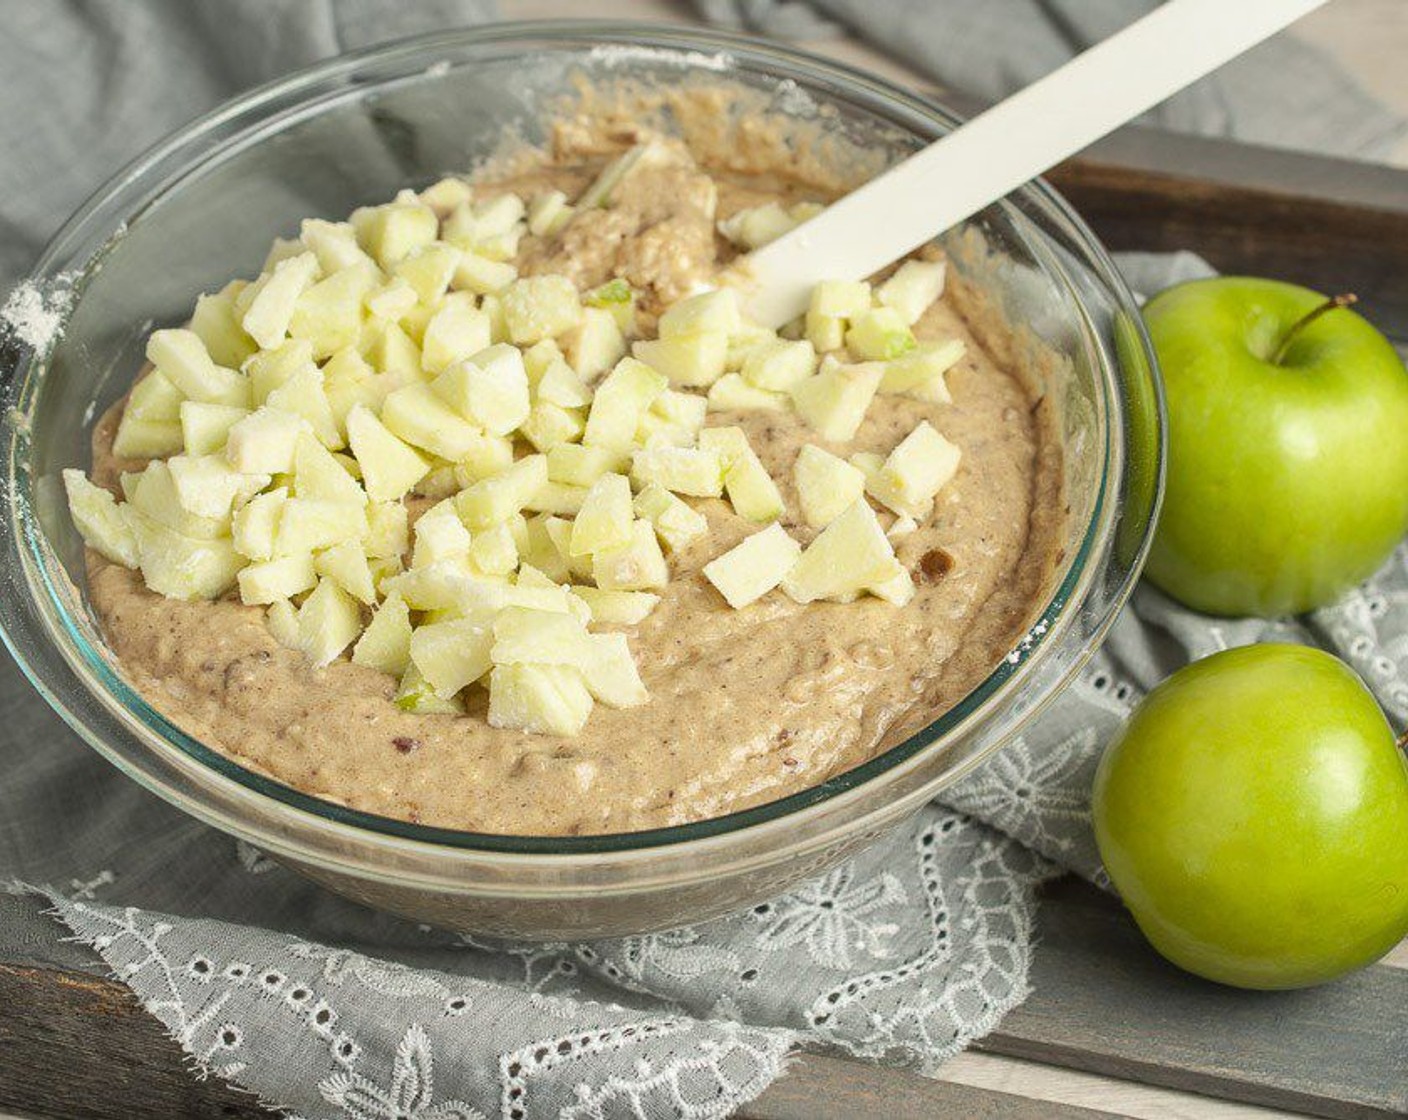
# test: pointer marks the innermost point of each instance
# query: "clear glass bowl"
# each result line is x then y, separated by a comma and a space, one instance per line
203, 205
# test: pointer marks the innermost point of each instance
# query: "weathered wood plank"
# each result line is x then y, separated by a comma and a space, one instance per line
1104, 1002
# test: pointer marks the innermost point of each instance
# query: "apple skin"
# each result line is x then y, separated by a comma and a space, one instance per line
1253, 815
1287, 484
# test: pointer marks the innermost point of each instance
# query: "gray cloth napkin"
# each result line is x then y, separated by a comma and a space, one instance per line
328, 1009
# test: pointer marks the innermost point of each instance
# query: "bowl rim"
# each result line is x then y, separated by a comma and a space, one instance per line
667, 44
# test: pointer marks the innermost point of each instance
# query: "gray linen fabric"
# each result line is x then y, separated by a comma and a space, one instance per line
331, 1010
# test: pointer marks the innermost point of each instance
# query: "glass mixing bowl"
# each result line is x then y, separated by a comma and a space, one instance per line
203, 205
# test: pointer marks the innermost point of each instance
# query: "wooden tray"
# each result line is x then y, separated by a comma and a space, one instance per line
73, 1044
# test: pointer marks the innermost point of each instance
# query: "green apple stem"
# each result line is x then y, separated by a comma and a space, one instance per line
1344, 299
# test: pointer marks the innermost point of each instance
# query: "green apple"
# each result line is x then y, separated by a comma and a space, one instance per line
1287, 466
1253, 814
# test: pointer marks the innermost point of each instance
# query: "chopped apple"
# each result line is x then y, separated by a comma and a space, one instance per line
595, 344
636, 566
494, 551
551, 425
272, 580
146, 439
420, 416
686, 359
440, 536
879, 335
486, 456
750, 488
677, 524
388, 532
617, 297
385, 644
867, 462
527, 636
559, 384
392, 351
490, 388
205, 427
428, 270
328, 622
264, 441
346, 565
182, 358
456, 330
685, 470
538, 307
392, 300
559, 531
913, 287
182, 567
741, 344
606, 517
840, 299
621, 399
752, 568
539, 699
271, 310
282, 620
731, 393
846, 558
268, 369
329, 313
333, 243
826, 485
256, 522
714, 312
617, 608
755, 226
452, 654
414, 694
482, 276
302, 395
576, 464
548, 212
309, 524
390, 467
318, 474
897, 588
445, 194
834, 402
780, 365
498, 498
902, 527
218, 326
558, 498
99, 521
915, 471
207, 486
610, 672
540, 553
154, 493
921, 373
393, 232
154, 397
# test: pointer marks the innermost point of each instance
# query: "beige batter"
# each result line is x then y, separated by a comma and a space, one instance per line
746, 706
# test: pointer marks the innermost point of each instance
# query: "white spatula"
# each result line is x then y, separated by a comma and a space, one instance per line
1008, 145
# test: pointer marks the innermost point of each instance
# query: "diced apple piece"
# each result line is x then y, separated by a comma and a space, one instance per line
153, 492
207, 486
302, 395
617, 608
328, 622
595, 344
621, 399
453, 654
827, 486
268, 369
575, 464
393, 232
256, 522
421, 417
482, 276
750, 488
154, 397
713, 312
99, 521
846, 558
637, 566
823, 332
496, 499
550, 425
429, 270
527, 636
272, 580
282, 620
867, 462
445, 194
902, 527
617, 297
559, 531
346, 565
318, 474
921, 373
834, 402
538, 307
897, 588
606, 517
913, 287
558, 498
385, 644
685, 470
390, 467
388, 533
264, 441
392, 300
560, 384
181, 357
440, 536
676, 523
755, 226
780, 365
146, 439
334, 244
456, 330
840, 299
540, 553
752, 568
392, 351
271, 310
686, 410
879, 335
610, 671
731, 393
205, 427
490, 388
497, 216
494, 550
548, 212
329, 313
415, 695
309, 524
182, 567
915, 471
282, 249
215, 321
686, 359
539, 699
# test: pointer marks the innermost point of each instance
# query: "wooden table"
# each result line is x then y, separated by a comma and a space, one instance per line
1110, 1029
